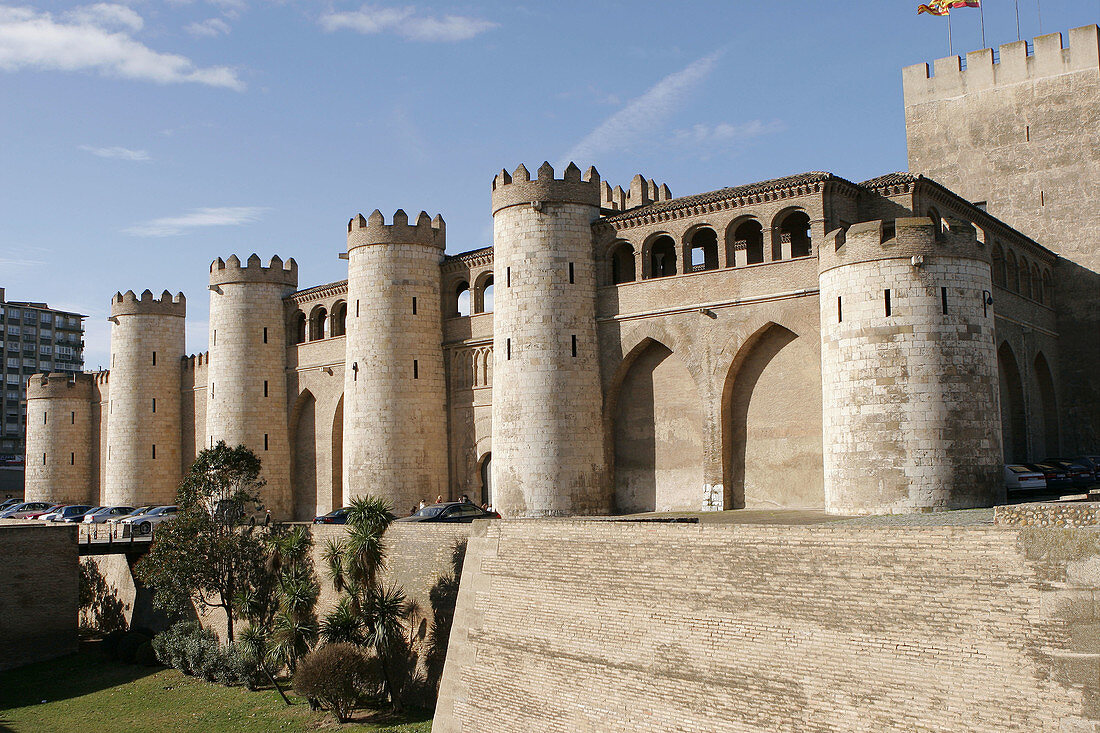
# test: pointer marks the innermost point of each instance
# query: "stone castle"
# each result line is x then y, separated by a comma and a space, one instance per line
808, 341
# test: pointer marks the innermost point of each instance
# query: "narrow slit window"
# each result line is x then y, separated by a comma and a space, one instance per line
154, 358
154, 404
265, 334
1042, 198
414, 305
574, 344
943, 300
154, 451
72, 459
507, 277
44, 414
215, 337
72, 418
265, 388
508, 348
839, 311
43, 459
416, 369
1027, 133
570, 273
265, 441
887, 301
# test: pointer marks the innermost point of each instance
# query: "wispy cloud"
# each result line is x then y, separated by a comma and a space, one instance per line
726, 133
209, 28
97, 38
116, 152
23, 257
222, 216
643, 117
407, 23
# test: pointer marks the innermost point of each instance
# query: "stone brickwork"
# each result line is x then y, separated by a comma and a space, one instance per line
909, 370
621, 626
246, 372
1020, 130
39, 595
60, 457
1075, 514
394, 383
143, 412
547, 423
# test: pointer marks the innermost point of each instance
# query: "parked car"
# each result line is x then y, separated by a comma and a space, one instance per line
143, 524
104, 513
9, 503
1055, 475
1092, 462
336, 516
136, 513
42, 513
22, 509
76, 518
249, 512
450, 511
71, 510
1079, 474
1019, 477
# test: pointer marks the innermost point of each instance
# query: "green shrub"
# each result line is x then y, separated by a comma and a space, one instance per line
196, 651
336, 675
145, 656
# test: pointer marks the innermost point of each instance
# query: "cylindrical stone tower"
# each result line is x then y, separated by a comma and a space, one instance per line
59, 464
548, 457
395, 418
143, 415
908, 369
246, 373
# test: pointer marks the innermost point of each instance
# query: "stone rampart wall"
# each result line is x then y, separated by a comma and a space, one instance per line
609, 626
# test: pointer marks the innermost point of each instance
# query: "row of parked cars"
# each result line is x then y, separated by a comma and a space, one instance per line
133, 520
1054, 474
447, 511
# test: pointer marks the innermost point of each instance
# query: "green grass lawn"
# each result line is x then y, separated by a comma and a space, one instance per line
87, 692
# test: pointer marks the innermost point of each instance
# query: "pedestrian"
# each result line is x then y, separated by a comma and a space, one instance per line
465, 499
422, 504
439, 499
412, 511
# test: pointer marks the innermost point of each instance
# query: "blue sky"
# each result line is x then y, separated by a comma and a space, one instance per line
142, 140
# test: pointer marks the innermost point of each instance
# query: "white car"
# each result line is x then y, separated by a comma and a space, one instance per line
1022, 478
105, 513
19, 511
143, 524
136, 513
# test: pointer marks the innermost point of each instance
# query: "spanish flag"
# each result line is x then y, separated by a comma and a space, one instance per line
943, 7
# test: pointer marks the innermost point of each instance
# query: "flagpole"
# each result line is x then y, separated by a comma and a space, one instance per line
1039, 8
1017, 20
950, 44
981, 10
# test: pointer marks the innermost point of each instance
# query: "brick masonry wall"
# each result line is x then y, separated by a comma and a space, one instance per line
38, 598
608, 626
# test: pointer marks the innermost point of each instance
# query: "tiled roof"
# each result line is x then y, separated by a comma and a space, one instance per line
889, 179
319, 288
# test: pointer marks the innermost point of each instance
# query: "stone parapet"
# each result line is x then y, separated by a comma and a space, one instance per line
518, 188
231, 271
374, 230
129, 304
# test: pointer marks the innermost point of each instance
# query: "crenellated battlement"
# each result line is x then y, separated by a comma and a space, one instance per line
641, 193
907, 237
61, 385
129, 304
374, 230
952, 78
519, 188
223, 272
193, 361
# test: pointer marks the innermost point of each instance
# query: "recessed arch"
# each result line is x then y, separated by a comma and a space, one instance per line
317, 322
937, 222
483, 293
660, 255
771, 422
792, 230
1012, 270
1013, 412
700, 249
1048, 443
462, 299
299, 332
485, 476
1037, 284
1048, 288
745, 242
1025, 277
1000, 271
337, 456
303, 423
621, 259
339, 319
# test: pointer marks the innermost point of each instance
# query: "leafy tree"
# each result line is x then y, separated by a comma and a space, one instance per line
336, 675
206, 556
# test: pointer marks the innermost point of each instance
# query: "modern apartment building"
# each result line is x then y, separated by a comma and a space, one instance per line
33, 338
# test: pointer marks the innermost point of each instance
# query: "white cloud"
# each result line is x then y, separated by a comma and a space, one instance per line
89, 39
221, 216
724, 132
405, 22
209, 28
644, 116
118, 152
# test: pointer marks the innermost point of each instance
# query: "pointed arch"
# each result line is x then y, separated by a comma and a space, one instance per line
771, 422
337, 457
1013, 414
304, 431
1049, 446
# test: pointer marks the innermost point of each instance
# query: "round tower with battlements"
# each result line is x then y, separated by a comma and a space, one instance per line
59, 465
395, 418
908, 369
246, 373
548, 456
143, 412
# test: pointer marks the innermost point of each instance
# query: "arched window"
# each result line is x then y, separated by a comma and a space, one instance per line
484, 295
1048, 289
1025, 278
1012, 271
299, 325
339, 325
937, 223
1000, 273
462, 298
746, 243
1037, 285
795, 231
622, 263
662, 257
702, 250
317, 323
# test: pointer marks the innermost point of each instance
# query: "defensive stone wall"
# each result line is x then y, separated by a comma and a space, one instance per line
59, 465
39, 595
609, 626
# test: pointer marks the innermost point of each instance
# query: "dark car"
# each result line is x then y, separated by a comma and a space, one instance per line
1092, 462
1078, 472
1056, 476
336, 516
450, 511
